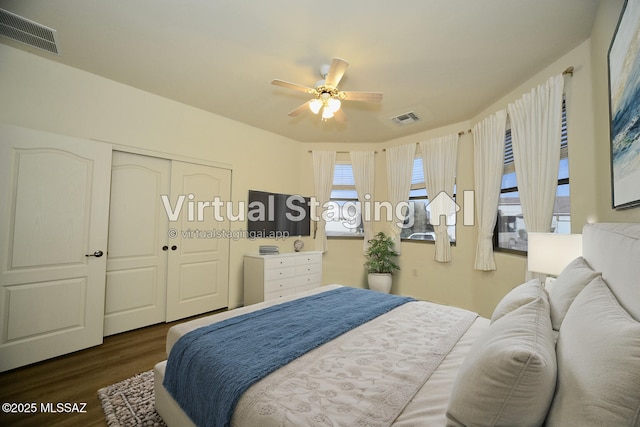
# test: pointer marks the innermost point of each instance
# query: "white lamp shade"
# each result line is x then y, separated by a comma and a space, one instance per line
315, 105
333, 104
549, 253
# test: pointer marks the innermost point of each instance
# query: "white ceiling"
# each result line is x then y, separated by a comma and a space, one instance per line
446, 60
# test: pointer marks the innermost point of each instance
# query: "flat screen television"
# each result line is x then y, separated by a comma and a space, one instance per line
270, 214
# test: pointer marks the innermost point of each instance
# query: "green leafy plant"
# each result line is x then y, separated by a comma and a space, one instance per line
380, 255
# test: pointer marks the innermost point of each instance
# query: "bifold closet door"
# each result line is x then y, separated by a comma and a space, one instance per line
54, 207
137, 251
198, 274
160, 267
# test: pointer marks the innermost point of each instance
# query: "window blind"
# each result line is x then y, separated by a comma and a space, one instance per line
509, 166
344, 185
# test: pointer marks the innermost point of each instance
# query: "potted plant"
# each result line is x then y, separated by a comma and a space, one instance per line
380, 264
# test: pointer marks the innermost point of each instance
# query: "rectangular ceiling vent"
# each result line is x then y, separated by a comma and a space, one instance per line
405, 119
28, 32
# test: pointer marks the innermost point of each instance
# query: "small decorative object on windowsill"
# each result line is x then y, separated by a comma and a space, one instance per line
380, 264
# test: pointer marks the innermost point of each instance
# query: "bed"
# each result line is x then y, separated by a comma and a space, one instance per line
566, 356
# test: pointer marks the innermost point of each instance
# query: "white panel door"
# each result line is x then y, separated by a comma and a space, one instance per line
54, 206
198, 275
137, 250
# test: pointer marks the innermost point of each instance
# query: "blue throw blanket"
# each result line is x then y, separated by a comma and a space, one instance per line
211, 367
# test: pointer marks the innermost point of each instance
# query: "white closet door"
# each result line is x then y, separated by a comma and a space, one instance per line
54, 206
136, 261
198, 279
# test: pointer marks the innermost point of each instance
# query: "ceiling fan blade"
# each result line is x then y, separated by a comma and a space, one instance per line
293, 86
362, 96
301, 109
338, 67
339, 116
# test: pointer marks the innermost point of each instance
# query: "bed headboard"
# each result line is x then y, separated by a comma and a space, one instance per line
614, 250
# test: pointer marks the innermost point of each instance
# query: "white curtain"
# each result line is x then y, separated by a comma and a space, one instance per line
536, 131
363, 165
488, 162
323, 166
399, 170
439, 159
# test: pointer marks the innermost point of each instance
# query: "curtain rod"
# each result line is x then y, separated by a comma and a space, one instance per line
347, 152
459, 134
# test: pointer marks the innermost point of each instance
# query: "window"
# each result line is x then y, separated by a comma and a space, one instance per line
417, 222
346, 219
510, 233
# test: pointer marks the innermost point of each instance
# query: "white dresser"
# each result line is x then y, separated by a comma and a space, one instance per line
268, 277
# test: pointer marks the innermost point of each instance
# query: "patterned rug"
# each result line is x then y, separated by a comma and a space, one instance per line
130, 403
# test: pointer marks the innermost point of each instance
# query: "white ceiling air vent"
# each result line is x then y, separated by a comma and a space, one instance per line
28, 32
405, 119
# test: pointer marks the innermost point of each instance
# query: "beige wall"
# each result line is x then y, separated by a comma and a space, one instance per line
456, 282
41, 94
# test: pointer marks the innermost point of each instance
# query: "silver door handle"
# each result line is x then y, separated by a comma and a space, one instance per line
96, 254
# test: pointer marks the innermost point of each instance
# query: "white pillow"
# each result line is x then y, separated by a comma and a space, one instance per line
575, 276
517, 297
598, 363
509, 375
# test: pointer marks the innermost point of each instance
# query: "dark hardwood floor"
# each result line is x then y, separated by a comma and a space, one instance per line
76, 377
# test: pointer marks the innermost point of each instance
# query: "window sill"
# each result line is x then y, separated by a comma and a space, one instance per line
510, 251
423, 241
418, 240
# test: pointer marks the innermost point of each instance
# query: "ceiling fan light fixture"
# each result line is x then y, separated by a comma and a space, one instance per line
315, 105
325, 95
333, 104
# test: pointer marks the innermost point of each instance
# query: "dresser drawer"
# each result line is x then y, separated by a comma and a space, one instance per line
281, 284
279, 273
309, 259
278, 294
309, 280
308, 269
279, 262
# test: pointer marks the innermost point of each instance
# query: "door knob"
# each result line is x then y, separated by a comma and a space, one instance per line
96, 254
165, 248
174, 247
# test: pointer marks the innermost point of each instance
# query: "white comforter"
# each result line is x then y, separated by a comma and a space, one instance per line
366, 377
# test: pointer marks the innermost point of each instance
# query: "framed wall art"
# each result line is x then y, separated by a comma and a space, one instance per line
624, 108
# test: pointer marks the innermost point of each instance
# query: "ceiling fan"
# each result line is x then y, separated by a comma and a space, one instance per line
325, 94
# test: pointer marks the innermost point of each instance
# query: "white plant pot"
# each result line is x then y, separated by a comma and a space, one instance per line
380, 282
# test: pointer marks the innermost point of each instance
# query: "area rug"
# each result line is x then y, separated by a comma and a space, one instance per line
131, 403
